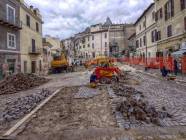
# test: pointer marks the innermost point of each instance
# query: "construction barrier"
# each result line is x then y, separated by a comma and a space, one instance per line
184, 64
157, 63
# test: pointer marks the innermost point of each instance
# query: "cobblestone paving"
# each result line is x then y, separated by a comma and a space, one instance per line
86, 92
168, 94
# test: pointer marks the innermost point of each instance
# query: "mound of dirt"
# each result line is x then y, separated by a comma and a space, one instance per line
20, 82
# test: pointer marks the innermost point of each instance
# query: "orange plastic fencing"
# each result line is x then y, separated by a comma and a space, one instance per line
155, 63
184, 64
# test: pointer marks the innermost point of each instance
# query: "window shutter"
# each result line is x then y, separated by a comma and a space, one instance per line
172, 8
152, 38
185, 23
182, 4
161, 13
165, 8
156, 16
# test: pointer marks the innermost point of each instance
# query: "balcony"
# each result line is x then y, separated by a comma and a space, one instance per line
17, 25
34, 51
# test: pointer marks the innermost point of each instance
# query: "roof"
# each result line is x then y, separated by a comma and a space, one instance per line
108, 22
148, 8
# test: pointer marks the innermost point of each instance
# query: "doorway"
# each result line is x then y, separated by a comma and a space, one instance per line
33, 66
11, 65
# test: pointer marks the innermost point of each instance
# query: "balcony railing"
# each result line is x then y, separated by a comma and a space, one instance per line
35, 51
15, 25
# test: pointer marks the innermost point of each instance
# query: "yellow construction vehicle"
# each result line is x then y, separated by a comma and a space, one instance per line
60, 64
98, 61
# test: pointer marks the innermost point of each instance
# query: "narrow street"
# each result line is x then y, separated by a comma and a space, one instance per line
78, 112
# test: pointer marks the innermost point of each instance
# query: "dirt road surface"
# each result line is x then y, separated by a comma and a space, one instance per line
81, 113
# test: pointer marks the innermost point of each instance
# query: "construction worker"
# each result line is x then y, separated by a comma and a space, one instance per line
93, 80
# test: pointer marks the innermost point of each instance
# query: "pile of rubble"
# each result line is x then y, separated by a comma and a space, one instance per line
134, 108
125, 91
21, 106
20, 82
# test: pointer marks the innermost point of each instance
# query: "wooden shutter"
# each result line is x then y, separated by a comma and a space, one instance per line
156, 16
182, 4
161, 13
152, 36
172, 8
165, 8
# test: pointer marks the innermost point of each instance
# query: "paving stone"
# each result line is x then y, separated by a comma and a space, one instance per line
86, 92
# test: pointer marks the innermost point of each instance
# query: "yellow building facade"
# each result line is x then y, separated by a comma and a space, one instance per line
171, 25
31, 39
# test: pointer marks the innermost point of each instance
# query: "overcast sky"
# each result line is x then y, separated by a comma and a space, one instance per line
63, 18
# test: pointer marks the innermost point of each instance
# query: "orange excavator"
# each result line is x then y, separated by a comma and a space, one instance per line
60, 64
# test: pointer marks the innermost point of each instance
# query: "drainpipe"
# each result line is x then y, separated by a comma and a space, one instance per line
146, 42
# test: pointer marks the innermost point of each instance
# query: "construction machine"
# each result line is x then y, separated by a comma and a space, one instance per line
60, 64
98, 61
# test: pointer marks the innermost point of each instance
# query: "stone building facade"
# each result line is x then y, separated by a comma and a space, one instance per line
10, 26
146, 33
171, 25
69, 49
31, 39
106, 39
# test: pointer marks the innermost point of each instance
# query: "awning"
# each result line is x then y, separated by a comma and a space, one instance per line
179, 53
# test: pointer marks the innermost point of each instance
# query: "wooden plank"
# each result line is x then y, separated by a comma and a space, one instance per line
18, 124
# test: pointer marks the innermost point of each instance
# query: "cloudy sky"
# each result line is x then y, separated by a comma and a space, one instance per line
63, 18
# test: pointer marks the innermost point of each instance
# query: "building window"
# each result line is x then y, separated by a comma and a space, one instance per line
153, 36
185, 23
140, 27
105, 35
92, 37
33, 45
88, 38
137, 43
144, 40
153, 15
88, 45
83, 46
93, 55
140, 42
144, 24
159, 14
158, 35
169, 9
28, 20
37, 27
183, 4
92, 45
25, 66
105, 44
11, 41
169, 31
10, 14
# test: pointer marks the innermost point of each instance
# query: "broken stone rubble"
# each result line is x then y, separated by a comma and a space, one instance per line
134, 107
19, 82
22, 106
